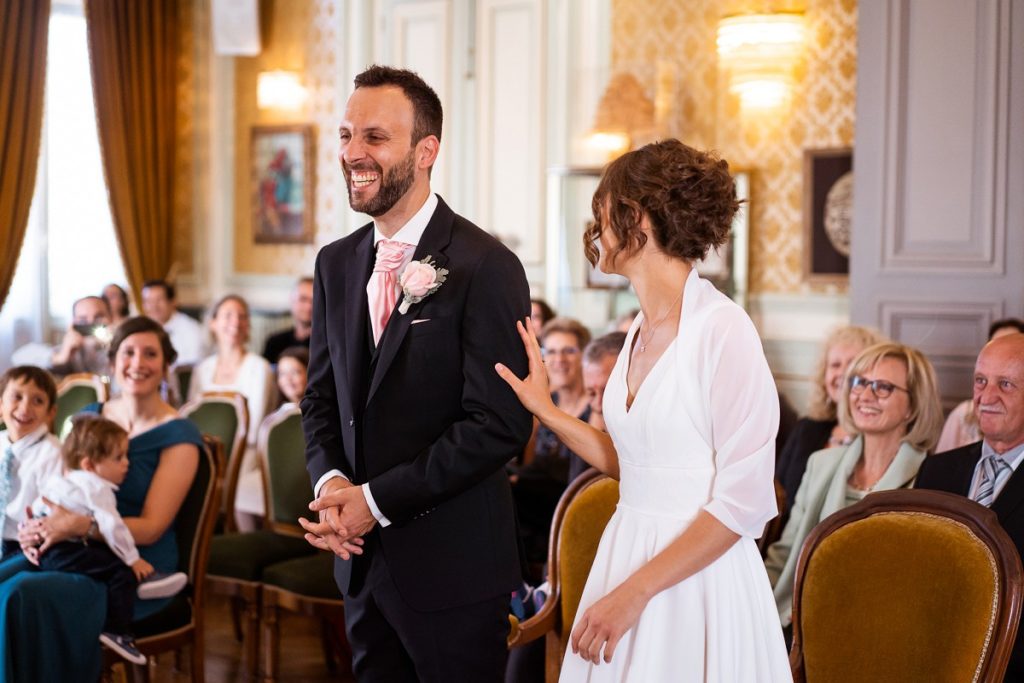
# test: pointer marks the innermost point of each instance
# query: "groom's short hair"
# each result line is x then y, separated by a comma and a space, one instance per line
426, 105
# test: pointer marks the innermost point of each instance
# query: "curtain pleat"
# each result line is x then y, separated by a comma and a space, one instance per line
133, 53
24, 28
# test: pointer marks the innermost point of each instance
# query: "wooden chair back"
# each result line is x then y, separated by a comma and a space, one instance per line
224, 414
287, 489
74, 393
773, 529
906, 585
580, 518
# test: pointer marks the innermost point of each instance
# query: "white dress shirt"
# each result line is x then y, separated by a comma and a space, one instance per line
186, 337
410, 233
87, 493
36, 458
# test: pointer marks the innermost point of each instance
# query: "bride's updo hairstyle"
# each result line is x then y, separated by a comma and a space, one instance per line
688, 196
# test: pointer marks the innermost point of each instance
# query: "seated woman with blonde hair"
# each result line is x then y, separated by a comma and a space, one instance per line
891, 406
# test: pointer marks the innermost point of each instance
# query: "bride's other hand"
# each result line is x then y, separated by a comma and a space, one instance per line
533, 391
605, 622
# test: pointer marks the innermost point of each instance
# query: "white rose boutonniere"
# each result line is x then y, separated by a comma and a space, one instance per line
419, 280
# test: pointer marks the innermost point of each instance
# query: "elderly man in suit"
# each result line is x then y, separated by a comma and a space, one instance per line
989, 471
408, 427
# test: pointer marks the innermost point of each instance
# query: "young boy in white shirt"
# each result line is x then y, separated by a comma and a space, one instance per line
29, 453
95, 457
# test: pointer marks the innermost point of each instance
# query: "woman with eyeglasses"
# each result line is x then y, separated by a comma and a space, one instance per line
544, 474
891, 407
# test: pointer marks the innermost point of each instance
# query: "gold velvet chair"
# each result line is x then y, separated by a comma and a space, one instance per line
906, 586
580, 518
74, 393
224, 414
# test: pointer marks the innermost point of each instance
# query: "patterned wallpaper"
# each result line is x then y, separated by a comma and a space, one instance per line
653, 37
303, 36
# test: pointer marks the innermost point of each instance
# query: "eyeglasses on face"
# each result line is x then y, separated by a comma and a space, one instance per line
568, 351
879, 387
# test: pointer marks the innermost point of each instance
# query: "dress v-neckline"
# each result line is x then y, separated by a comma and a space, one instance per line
631, 397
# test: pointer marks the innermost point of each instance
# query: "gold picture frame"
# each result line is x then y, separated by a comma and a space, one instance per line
282, 183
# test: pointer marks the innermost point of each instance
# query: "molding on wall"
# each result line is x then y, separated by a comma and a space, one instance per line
976, 244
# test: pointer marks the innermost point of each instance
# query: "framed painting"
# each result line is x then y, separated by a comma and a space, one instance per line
828, 214
282, 184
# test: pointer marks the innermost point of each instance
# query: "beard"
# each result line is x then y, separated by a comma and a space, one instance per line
393, 185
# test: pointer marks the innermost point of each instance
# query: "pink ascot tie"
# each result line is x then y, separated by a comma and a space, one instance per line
382, 289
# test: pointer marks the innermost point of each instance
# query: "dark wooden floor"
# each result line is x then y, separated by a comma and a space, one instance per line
301, 658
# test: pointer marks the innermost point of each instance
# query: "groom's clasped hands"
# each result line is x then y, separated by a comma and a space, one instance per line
344, 519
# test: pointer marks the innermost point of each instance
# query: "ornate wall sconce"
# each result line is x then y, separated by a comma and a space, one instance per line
759, 52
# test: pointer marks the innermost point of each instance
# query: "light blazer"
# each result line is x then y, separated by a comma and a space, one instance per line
424, 418
822, 493
953, 471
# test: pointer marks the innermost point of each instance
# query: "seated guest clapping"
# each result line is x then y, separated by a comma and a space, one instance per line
234, 368
891, 406
989, 471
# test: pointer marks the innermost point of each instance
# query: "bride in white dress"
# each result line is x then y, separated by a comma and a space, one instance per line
677, 591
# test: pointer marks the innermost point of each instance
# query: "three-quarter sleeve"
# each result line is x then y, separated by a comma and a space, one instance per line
744, 421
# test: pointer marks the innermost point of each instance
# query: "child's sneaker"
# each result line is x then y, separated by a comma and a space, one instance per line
123, 645
160, 585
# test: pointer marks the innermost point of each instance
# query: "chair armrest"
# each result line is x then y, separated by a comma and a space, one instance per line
536, 626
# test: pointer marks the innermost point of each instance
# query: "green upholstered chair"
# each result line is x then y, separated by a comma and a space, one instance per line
906, 586
305, 586
237, 560
74, 393
181, 622
224, 414
580, 518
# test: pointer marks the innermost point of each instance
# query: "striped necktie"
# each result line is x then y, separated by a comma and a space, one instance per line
5, 487
993, 470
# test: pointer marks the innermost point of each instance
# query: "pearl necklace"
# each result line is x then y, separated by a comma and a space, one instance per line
651, 329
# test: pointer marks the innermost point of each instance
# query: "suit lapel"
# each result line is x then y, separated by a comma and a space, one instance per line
357, 273
433, 243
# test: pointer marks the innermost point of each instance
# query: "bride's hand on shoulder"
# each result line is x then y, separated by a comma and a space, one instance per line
532, 391
605, 622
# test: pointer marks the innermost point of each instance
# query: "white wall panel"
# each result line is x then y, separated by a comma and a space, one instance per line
938, 236
511, 87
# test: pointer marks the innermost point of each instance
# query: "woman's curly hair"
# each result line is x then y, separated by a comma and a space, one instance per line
687, 195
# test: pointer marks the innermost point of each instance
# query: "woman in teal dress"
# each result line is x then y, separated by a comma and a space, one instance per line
51, 621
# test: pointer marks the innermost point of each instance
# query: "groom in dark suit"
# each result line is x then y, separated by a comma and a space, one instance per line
989, 471
407, 425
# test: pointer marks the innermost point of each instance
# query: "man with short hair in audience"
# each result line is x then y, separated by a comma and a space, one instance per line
84, 347
599, 358
989, 471
302, 314
159, 303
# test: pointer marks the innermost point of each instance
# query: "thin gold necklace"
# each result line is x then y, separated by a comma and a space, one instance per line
651, 329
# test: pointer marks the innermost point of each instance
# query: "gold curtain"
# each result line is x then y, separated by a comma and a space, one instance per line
24, 27
133, 49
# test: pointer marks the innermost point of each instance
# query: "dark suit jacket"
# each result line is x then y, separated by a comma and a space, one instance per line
953, 471
424, 418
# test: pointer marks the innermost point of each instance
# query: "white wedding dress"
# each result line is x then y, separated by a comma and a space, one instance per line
699, 435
